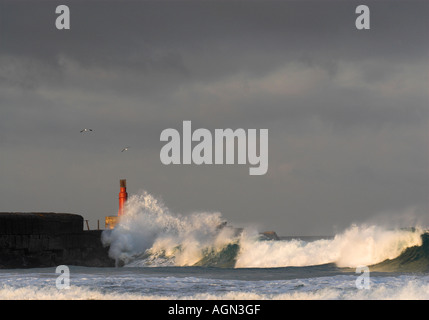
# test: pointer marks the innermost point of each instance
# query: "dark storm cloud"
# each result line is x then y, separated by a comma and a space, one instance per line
235, 35
346, 109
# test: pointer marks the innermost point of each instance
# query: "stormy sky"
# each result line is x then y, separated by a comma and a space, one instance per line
346, 109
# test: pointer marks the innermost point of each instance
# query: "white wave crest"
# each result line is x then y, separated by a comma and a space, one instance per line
332, 288
149, 230
358, 245
149, 234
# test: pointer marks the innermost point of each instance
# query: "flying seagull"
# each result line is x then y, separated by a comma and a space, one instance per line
85, 130
125, 149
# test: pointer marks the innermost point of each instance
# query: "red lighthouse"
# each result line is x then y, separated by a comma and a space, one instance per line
123, 196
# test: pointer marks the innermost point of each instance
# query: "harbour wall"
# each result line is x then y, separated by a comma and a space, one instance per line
46, 239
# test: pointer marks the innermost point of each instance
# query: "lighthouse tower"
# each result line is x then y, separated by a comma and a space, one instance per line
123, 196
111, 221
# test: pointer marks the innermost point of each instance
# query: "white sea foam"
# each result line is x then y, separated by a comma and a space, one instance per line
323, 288
163, 238
149, 234
358, 245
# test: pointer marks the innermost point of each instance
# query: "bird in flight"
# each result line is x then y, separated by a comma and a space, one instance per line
125, 149
85, 130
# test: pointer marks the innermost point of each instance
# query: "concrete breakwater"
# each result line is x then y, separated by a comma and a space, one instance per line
41, 239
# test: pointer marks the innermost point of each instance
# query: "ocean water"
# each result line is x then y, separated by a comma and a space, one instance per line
164, 256
200, 283
176, 283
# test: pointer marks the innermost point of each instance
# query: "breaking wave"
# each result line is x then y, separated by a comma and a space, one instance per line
150, 235
337, 288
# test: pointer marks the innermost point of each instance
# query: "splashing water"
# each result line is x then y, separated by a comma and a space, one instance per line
150, 235
358, 245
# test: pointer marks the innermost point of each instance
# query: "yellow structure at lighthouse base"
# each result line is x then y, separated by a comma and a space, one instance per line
111, 222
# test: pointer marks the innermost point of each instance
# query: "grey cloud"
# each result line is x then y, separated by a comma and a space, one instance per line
346, 110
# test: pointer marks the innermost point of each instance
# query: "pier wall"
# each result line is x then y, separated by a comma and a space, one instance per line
40, 239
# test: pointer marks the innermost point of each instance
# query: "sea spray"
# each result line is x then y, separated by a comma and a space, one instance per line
358, 245
150, 235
